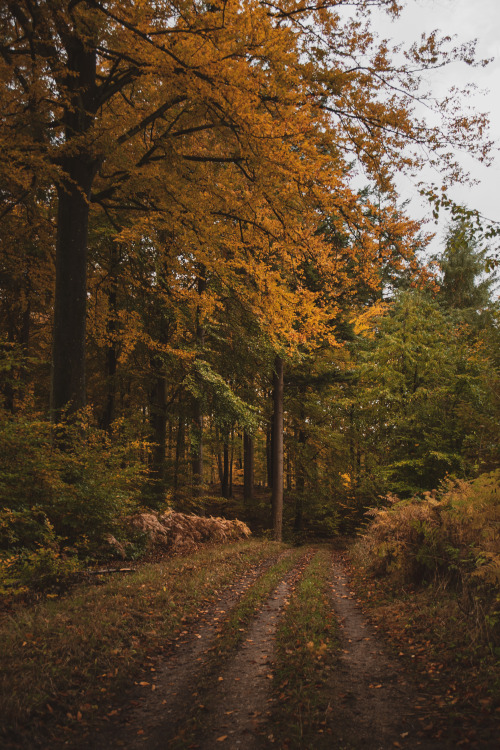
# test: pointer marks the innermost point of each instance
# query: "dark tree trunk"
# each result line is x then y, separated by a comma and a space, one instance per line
277, 492
269, 457
300, 485
197, 447
179, 450
197, 443
110, 408
111, 355
158, 423
225, 472
70, 303
219, 458
248, 468
231, 460
221, 471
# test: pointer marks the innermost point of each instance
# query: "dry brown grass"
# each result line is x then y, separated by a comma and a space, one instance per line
449, 539
180, 532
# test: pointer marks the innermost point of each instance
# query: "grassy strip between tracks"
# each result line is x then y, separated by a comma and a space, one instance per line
64, 657
232, 632
307, 647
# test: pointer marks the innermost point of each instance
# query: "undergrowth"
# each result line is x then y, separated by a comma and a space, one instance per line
60, 501
448, 539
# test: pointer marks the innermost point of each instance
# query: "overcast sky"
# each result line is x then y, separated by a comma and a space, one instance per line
467, 19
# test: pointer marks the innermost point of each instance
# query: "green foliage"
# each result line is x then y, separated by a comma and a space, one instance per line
36, 569
464, 285
217, 395
426, 390
60, 500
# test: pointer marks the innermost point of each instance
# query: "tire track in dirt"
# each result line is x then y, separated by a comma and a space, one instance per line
238, 710
373, 698
153, 709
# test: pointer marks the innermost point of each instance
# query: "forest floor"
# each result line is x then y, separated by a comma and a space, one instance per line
289, 652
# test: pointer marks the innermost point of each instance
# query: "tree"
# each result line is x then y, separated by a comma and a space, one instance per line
425, 393
105, 93
465, 285
277, 449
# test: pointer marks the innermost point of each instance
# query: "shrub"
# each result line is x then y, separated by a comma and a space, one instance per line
60, 500
451, 535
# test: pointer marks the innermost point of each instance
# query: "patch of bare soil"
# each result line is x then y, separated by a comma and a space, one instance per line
373, 699
162, 697
238, 711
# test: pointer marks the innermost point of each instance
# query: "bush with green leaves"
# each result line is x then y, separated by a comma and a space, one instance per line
61, 497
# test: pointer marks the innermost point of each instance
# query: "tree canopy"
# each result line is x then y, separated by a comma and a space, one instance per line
182, 222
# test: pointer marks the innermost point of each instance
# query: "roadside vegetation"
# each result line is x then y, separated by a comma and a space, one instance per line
62, 657
428, 569
448, 540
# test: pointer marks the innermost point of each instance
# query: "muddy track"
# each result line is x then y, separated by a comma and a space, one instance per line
161, 698
193, 700
237, 712
373, 697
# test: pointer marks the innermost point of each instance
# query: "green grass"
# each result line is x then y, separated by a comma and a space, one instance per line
307, 647
62, 658
231, 633
233, 629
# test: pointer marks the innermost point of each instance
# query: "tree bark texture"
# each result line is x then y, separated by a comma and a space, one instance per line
269, 457
248, 468
300, 484
158, 422
179, 450
70, 304
197, 443
277, 492
111, 354
225, 472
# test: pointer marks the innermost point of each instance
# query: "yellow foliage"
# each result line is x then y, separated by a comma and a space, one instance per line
365, 323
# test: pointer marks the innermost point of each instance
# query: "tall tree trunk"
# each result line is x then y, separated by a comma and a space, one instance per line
300, 485
110, 408
197, 447
225, 472
111, 355
179, 450
8, 389
158, 423
197, 443
231, 459
248, 468
277, 493
70, 303
269, 456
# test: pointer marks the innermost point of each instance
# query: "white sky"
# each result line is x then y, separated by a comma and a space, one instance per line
467, 19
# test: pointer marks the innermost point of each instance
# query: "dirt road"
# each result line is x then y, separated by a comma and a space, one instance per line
193, 699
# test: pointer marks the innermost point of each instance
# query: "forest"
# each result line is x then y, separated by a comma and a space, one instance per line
218, 313
201, 308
